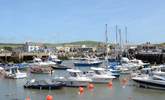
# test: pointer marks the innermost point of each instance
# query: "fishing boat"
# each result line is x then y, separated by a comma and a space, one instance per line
99, 75
87, 63
43, 84
14, 73
73, 78
146, 81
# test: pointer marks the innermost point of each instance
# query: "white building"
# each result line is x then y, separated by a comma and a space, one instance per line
33, 47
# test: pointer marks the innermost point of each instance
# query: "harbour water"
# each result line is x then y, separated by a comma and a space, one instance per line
11, 89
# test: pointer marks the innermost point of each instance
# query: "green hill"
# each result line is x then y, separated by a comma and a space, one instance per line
87, 43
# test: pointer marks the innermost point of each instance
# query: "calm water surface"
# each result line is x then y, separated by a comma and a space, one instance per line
13, 90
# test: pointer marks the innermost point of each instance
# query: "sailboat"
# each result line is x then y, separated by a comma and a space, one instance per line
109, 70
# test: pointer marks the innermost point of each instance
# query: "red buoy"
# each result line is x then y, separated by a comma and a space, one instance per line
110, 83
129, 98
27, 98
81, 90
124, 82
90, 86
49, 97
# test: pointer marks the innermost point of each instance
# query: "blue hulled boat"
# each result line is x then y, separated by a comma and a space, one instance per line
88, 63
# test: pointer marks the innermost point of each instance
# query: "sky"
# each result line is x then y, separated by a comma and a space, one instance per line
58, 21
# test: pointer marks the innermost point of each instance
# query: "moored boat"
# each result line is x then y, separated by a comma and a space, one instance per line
88, 63
73, 78
14, 73
146, 81
41, 70
99, 75
43, 84
60, 67
55, 59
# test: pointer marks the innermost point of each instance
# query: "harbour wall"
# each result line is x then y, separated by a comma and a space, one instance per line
153, 58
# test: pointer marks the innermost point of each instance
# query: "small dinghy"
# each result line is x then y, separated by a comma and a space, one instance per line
43, 84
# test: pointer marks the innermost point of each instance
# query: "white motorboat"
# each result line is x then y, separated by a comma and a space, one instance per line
39, 62
99, 75
146, 81
55, 59
158, 71
133, 64
74, 78
15, 73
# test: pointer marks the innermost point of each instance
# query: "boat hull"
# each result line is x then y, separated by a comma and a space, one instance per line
101, 80
44, 86
150, 84
87, 64
76, 83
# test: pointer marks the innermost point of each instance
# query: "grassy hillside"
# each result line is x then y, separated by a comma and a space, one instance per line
87, 43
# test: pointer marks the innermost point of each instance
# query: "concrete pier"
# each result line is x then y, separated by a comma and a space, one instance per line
20, 57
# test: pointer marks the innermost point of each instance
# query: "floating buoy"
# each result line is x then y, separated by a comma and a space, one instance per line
124, 82
129, 98
27, 98
90, 86
49, 97
110, 84
81, 90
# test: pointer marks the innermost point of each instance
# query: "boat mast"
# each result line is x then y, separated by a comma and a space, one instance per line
116, 46
106, 40
106, 47
126, 41
120, 42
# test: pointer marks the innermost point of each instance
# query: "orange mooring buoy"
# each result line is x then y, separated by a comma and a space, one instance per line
129, 98
27, 98
90, 86
124, 82
49, 97
81, 90
110, 84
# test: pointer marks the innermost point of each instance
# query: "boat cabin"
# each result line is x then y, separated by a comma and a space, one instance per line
74, 72
98, 71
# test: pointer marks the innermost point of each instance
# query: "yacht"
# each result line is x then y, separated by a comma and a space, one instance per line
146, 81
74, 78
15, 73
99, 75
